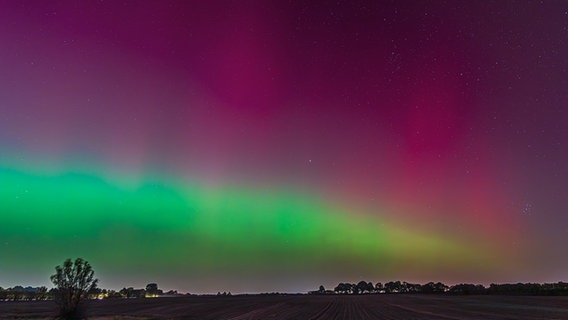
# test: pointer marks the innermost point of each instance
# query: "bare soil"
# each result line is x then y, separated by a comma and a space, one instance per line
388, 307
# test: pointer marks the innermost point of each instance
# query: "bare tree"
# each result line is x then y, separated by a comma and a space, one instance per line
72, 281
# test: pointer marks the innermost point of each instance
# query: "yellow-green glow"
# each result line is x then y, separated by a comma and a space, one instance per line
198, 230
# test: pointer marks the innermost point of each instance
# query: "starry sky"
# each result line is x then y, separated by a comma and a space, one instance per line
257, 146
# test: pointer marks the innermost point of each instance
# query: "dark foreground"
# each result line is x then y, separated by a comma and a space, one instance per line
417, 307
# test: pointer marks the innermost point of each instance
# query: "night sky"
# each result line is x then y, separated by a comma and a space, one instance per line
254, 146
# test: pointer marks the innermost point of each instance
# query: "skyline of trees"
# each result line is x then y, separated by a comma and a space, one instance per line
20, 293
398, 287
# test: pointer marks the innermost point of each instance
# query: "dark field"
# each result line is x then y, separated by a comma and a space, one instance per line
415, 307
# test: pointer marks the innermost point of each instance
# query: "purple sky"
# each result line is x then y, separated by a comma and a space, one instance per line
435, 111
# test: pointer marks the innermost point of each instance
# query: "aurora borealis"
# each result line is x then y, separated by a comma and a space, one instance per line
275, 146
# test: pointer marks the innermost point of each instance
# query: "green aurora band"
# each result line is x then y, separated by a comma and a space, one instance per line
183, 230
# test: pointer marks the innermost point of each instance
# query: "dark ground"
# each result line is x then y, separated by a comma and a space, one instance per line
417, 307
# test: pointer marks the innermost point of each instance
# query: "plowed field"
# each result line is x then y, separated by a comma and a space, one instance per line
407, 307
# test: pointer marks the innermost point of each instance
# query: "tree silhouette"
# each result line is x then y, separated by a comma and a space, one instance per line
378, 287
152, 290
393, 287
41, 293
72, 281
343, 288
361, 287
370, 287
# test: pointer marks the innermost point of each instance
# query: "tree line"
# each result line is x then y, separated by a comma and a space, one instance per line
20, 293
403, 287
75, 281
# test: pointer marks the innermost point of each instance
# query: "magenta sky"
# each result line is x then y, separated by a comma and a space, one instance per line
449, 115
